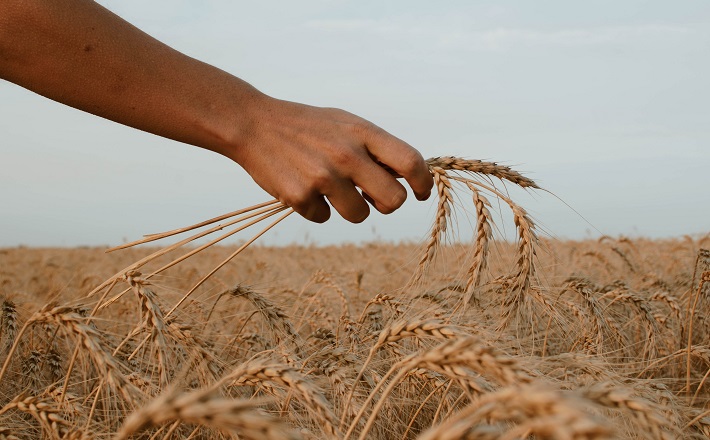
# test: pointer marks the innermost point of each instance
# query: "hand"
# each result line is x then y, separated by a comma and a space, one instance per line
302, 154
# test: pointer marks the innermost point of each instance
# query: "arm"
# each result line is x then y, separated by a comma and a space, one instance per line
79, 53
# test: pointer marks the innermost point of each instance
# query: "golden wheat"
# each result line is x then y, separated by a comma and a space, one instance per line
492, 339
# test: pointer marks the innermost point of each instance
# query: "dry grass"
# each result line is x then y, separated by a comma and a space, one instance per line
483, 340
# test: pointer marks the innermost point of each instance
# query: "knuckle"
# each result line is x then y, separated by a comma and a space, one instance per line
340, 114
308, 205
320, 179
363, 128
343, 158
298, 199
410, 162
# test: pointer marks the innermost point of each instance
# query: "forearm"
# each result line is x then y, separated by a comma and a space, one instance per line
78, 53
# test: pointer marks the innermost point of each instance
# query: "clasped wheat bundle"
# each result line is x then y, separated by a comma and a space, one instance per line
450, 174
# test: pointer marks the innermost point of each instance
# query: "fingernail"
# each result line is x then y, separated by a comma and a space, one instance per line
399, 198
424, 197
362, 218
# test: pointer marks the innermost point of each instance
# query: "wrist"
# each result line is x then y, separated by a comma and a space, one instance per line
234, 119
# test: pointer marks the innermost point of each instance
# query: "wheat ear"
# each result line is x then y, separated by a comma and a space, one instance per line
450, 358
441, 220
8, 324
6, 434
274, 317
647, 416
537, 412
484, 233
483, 168
259, 372
526, 252
203, 407
43, 411
397, 331
88, 337
153, 321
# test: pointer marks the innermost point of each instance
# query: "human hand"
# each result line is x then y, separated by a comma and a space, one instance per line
302, 155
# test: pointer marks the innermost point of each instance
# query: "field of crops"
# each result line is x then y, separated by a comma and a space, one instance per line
532, 338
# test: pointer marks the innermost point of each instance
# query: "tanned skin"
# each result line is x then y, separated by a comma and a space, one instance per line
79, 53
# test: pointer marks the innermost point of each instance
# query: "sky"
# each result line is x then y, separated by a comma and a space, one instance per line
604, 104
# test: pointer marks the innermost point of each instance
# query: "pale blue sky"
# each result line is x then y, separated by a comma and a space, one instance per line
605, 104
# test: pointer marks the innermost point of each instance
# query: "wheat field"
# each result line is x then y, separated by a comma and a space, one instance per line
447, 339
